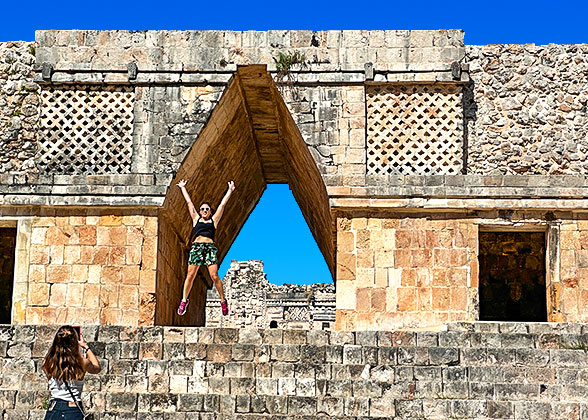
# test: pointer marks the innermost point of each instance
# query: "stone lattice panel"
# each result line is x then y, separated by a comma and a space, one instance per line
86, 129
297, 313
414, 130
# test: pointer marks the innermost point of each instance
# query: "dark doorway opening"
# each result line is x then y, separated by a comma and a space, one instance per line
512, 276
7, 248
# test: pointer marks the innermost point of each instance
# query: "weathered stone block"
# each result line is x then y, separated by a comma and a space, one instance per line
313, 354
443, 356
226, 336
413, 356
121, 401
285, 353
218, 352
266, 386
174, 350
277, 404
242, 386
352, 354
301, 406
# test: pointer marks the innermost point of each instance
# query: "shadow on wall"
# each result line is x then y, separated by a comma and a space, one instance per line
470, 109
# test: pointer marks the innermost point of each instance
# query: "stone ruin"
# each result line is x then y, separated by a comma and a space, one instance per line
255, 302
405, 151
444, 183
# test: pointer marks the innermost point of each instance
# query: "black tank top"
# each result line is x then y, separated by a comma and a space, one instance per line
203, 229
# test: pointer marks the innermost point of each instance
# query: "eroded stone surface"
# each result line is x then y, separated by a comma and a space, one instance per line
535, 368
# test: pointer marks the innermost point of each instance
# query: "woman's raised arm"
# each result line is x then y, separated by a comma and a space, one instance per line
91, 363
191, 208
221, 208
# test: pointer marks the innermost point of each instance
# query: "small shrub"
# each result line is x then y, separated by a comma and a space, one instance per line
286, 61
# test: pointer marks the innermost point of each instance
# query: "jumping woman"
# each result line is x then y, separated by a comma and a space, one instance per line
68, 360
203, 251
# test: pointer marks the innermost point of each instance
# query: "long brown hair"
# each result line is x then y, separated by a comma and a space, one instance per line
63, 361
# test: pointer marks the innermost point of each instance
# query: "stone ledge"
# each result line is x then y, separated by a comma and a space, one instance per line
68, 190
110, 77
412, 203
480, 180
533, 331
113, 179
30, 199
461, 186
405, 73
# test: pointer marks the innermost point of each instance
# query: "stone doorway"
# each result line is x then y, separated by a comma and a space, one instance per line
251, 139
7, 256
512, 276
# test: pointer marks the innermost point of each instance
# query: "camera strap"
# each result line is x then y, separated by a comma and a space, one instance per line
78, 404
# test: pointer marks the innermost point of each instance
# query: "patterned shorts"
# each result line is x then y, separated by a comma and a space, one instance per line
202, 253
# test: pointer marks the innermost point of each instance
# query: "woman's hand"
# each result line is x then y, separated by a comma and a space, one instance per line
231, 186
83, 347
81, 342
182, 183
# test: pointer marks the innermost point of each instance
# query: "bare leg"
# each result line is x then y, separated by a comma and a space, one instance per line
213, 271
190, 276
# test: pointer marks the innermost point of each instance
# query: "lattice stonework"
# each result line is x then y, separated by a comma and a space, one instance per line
297, 313
86, 129
414, 129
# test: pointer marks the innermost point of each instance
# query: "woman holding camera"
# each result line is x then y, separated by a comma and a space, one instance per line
66, 363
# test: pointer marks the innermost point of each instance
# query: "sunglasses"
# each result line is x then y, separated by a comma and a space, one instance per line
204, 209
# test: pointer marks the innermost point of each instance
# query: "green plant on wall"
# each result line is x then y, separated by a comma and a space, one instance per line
573, 343
44, 405
286, 61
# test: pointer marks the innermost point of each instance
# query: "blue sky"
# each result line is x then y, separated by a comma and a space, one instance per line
276, 232
496, 22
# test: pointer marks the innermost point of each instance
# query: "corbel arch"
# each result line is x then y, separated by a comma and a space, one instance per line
252, 139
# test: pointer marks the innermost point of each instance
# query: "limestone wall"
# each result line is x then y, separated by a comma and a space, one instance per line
411, 270
471, 371
87, 266
419, 270
527, 110
397, 122
19, 106
332, 122
572, 290
523, 104
220, 51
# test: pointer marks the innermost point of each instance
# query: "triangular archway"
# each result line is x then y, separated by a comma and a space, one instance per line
250, 138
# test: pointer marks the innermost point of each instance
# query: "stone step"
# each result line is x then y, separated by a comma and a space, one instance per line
426, 384
518, 327
157, 373
227, 407
262, 360
155, 341
443, 348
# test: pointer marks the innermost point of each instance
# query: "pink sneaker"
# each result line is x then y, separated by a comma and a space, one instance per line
225, 308
183, 306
